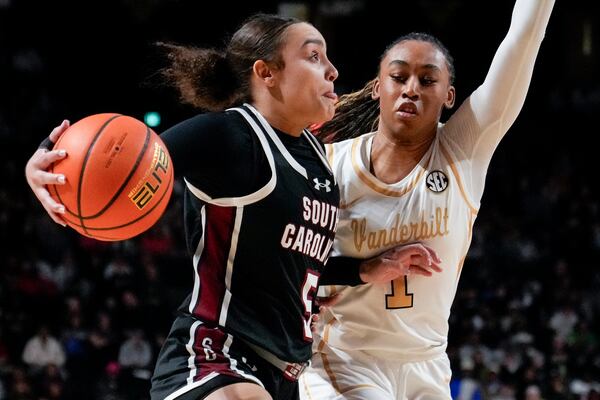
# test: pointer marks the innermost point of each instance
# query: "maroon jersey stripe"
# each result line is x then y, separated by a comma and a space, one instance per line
210, 355
213, 262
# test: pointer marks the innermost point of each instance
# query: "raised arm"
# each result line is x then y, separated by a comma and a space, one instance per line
474, 131
501, 96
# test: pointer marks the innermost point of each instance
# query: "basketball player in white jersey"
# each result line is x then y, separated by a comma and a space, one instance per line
412, 180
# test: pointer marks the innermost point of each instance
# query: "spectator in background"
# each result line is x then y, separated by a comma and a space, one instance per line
20, 388
102, 342
63, 273
135, 359
136, 354
563, 321
557, 389
465, 387
108, 386
118, 273
50, 383
533, 393
43, 349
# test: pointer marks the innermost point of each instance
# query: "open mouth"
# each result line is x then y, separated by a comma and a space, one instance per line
408, 108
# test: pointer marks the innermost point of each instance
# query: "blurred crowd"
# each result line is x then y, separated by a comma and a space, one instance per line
525, 323
81, 319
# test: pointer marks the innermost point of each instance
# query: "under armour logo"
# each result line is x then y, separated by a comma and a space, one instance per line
319, 185
252, 367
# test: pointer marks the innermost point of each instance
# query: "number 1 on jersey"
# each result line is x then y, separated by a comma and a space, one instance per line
399, 298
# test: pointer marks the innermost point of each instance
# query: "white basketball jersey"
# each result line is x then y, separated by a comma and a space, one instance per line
436, 204
432, 205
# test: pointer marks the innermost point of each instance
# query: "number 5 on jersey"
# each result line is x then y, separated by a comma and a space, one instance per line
308, 292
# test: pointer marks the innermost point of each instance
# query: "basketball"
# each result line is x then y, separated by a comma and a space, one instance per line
119, 177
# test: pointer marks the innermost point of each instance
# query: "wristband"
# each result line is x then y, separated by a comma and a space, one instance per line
342, 271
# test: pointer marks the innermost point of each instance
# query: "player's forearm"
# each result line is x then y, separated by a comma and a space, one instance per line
500, 98
342, 271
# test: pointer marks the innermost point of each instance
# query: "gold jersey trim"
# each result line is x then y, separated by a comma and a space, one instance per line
471, 222
461, 186
329, 152
373, 182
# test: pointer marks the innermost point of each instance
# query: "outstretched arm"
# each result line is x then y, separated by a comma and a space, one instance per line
475, 130
414, 258
501, 96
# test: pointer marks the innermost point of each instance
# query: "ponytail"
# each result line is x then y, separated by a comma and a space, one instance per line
214, 80
204, 77
356, 113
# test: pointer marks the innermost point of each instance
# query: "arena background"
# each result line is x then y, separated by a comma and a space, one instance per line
525, 320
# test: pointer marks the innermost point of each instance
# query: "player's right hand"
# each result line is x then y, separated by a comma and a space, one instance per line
38, 176
321, 304
415, 258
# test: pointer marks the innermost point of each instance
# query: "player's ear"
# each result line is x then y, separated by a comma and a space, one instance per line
450, 97
264, 72
375, 91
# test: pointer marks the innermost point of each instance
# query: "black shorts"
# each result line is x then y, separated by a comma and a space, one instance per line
192, 369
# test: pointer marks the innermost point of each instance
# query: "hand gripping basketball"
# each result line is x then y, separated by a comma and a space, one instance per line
118, 177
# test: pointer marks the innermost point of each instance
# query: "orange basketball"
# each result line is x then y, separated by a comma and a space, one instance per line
119, 177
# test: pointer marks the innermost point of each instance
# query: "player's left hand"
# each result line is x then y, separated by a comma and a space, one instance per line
409, 259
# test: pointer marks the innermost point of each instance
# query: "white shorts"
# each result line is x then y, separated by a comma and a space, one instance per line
354, 375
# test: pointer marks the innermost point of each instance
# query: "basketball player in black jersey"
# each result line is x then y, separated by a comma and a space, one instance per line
261, 209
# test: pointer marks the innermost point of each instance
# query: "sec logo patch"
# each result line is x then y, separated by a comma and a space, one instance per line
436, 181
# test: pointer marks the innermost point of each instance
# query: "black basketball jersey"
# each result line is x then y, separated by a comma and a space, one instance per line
257, 257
